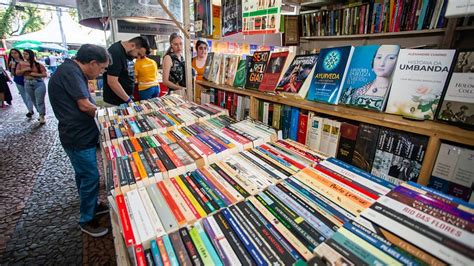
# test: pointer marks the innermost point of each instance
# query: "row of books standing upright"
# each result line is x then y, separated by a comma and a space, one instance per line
422, 84
248, 197
379, 16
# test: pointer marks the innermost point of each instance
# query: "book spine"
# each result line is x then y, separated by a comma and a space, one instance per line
189, 245
171, 203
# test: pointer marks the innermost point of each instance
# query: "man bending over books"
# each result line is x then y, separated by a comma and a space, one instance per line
75, 109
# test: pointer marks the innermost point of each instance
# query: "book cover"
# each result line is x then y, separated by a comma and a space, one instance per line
325, 132
458, 101
293, 133
257, 69
272, 74
231, 64
334, 135
285, 120
295, 80
207, 70
365, 146
215, 68
418, 82
241, 73
231, 17
329, 74
445, 166
313, 136
276, 116
202, 18
347, 142
369, 76
216, 22
464, 173
302, 128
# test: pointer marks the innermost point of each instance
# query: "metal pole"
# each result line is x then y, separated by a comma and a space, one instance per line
187, 51
63, 36
112, 21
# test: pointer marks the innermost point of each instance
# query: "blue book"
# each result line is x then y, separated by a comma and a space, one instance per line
369, 76
210, 248
421, 18
285, 123
170, 251
156, 253
295, 115
329, 75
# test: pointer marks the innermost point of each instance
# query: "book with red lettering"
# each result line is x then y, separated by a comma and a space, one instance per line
302, 128
172, 205
257, 69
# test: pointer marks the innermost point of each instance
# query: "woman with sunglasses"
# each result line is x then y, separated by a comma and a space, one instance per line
34, 72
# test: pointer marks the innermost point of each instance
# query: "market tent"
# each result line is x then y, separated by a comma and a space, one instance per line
75, 33
52, 46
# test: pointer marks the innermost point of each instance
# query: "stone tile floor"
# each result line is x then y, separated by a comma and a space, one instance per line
39, 205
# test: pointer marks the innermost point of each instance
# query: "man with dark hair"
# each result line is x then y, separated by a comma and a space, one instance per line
119, 78
75, 109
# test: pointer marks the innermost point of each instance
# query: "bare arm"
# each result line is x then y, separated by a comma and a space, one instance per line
41, 74
86, 106
117, 88
21, 69
166, 74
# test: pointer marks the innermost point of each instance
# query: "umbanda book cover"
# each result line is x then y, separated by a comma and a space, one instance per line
257, 69
295, 80
329, 75
418, 82
273, 72
458, 102
369, 76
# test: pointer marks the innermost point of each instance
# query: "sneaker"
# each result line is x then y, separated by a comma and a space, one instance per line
42, 120
29, 115
101, 208
93, 229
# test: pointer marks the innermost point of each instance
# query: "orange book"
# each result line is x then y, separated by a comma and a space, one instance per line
135, 144
158, 162
172, 156
139, 164
218, 185
136, 173
171, 204
171, 137
162, 249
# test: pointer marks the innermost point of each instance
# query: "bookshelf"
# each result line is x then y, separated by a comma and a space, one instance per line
434, 130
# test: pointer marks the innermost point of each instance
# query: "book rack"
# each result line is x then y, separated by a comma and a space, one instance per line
434, 130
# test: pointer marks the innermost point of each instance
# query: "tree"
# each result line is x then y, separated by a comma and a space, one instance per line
31, 19
6, 20
19, 20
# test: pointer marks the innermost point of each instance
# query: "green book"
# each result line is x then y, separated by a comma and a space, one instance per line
276, 115
241, 74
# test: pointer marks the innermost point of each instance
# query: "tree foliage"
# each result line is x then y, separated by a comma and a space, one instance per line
20, 20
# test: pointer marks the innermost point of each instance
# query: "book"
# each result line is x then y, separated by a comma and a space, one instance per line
241, 73
347, 142
230, 67
369, 76
365, 146
330, 73
216, 22
302, 128
295, 81
293, 132
418, 82
231, 17
314, 134
209, 64
273, 72
215, 70
257, 69
202, 18
457, 105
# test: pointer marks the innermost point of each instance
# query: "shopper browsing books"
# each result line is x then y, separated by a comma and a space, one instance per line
173, 64
75, 109
119, 78
14, 59
34, 72
199, 62
146, 77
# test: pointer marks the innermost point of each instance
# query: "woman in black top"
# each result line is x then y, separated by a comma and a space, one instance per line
14, 59
174, 65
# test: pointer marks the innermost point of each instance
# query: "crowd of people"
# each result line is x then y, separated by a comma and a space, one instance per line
125, 67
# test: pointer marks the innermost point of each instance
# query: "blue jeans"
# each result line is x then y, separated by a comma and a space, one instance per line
36, 90
24, 96
84, 163
149, 93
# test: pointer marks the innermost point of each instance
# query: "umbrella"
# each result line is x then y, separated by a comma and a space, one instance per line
72, 52
26, 45
28, 41
52, 46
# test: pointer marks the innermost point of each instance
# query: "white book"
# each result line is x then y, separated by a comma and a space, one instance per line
420, 240
464, 172
459, 8
314, 134
418, 82
325, 135
155, 221
446, 161
334, 135
266, 106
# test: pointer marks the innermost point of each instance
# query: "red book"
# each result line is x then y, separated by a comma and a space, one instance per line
228, 102
125, 221
302, 128
279, 155
273, 71
173, 207
172, 155
158, 162
140, 255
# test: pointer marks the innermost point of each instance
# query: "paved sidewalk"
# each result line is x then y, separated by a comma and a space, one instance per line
39, 205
